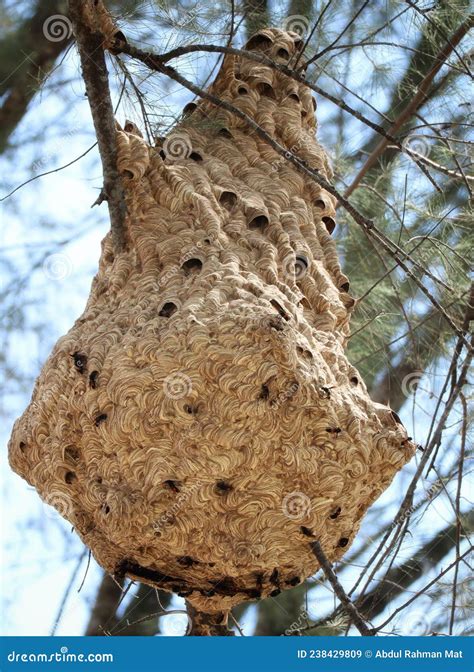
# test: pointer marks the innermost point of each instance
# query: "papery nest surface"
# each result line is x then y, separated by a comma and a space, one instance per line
200, 424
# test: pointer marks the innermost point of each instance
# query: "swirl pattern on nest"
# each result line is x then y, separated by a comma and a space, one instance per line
200, 423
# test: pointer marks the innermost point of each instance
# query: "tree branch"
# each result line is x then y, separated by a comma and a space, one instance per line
208, 625
27, 56
347, 605
94, 72
400, 578
415, 102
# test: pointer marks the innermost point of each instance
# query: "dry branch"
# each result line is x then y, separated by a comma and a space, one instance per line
348, 606
94, 71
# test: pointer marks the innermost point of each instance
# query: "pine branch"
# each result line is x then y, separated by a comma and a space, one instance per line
399, 579
415, 103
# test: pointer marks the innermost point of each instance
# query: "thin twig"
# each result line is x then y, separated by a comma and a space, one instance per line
414, 103
349, 606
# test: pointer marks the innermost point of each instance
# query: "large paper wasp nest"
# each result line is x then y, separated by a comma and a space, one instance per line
200, 423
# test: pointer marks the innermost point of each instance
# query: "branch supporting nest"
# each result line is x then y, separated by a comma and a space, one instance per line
347, 605
202, 624
94, 71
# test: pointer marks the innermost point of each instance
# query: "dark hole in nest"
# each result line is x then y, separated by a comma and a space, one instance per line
172, 485
301, 265
70, 477
192, 266
299, 43
333, 430
185, 561
225, 133
294, 581
343, 541
275, 592
190, 409
189, 108
72, 454
265, 89
93, 379
307, 354
100, 419
306, 531
354, 381
259, 41
242, 90
314, 103
283, 53
304, 113
22, 446
162, 154
258, 222
168, 309
222, 487
106, 508
274, 577
294, 96
345, 287
281, 311
330, 224
265, 392
276, 323
396, 417
320, 204
195, 156
228, 199
335, 513
80, 361
259, 579
325, 392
